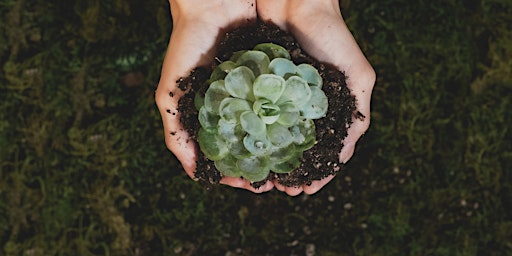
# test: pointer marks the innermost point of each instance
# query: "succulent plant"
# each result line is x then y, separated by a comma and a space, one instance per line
257, 113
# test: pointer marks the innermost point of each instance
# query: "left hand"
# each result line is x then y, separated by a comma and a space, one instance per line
321, 31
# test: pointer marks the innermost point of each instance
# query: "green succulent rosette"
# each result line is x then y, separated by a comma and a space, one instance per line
257, 114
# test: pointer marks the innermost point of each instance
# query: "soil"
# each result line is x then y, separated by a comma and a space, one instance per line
318, 162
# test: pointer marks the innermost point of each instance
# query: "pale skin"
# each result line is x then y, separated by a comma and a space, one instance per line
320, 30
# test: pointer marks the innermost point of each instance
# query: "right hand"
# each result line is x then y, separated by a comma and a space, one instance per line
196, 27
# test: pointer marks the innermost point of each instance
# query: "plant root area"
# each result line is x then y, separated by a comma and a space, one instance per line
318, 162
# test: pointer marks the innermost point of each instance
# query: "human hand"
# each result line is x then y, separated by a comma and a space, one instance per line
196, 27
321, 31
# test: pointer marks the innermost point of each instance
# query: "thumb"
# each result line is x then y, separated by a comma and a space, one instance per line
355, 131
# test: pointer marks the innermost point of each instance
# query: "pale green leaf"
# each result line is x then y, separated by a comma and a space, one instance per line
273, 50
279, 135
257, 145
310, 74
283, 67
215, 94
237, 55
288, 165
220, 72
199, 100
208, 120
257, 105
227, 66
304, 135
268, 112
252, 123
254, 168
238, 150
298, 136
229, 130
230, 109
268, 86
317, 105
212, 145
228, 167
239, 82
271, 118
282, 154
296, 90
257, 61
289, 114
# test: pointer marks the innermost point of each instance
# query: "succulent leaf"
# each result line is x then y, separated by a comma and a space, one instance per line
208, 120
268, 86
289, 114
257, 61
296, 90
214, 96
239, 82
220, 72
279, 135
199, 100
304, 135
239, 151
273, 50
317, 105
257, 145
227, 66
269, 113
289, 165
212, 145
254, 168
230, 109
231, 131
283, 67
228, 166
282, 154
257, 113
237, 55
310, 74
252, 123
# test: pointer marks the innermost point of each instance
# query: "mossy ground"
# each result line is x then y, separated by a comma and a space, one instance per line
84, 169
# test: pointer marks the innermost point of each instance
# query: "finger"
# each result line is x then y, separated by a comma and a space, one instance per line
233, 181
317, 185
279, 187
361, 81
269, 185
176, 138
185, 151
272, 11
293, 191
355, 131
242, 183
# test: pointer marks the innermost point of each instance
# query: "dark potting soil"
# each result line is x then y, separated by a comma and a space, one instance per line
318, 162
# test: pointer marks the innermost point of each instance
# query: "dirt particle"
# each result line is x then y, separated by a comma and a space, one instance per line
360, 116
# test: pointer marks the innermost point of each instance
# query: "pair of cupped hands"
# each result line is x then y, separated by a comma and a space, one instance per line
320, 30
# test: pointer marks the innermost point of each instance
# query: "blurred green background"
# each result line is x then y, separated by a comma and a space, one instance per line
84, 169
